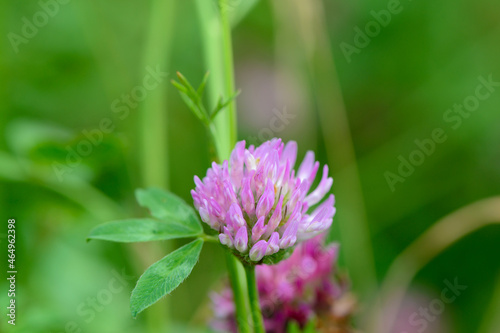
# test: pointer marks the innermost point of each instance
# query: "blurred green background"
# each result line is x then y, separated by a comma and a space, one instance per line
394, 89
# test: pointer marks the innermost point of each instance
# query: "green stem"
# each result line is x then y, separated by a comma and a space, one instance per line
228, 70
253, 294
236, 278
216, 38
210, 239
215, 148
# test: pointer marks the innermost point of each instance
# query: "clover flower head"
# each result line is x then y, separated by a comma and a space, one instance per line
259, 204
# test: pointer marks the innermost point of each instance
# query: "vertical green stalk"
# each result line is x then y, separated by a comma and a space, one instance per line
236, 278
228, 71
216, 38
253, 293
217, 47
153, 153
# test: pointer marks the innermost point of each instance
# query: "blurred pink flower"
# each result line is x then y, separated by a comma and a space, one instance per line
257, 202
298, 289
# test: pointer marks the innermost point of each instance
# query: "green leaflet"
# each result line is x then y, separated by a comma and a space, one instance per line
174, 219
169, 208
141, 230
164, 276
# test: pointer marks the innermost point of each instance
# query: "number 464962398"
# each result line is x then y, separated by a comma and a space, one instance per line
11, 236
